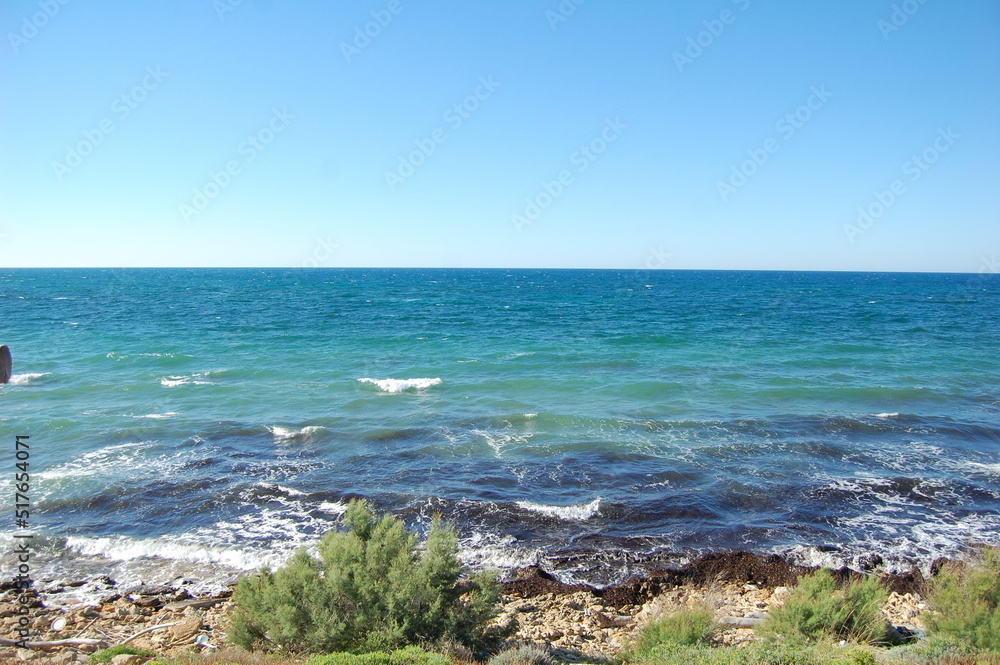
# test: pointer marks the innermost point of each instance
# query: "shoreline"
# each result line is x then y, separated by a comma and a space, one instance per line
576, 621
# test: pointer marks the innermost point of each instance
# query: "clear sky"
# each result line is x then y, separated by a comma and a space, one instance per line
743, 134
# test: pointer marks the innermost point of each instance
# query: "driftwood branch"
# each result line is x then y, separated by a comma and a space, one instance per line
150, 630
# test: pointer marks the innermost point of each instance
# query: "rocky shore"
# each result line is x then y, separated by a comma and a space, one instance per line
577, 622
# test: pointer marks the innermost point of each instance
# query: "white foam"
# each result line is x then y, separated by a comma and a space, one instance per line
579, 512
988, 469
281, 488
906, 542
159, 416
194, 379
516, 354
286, 434
894, 414
481, 550
25, 379
100, 462
127, 548
500, 440
333, 507
400, 385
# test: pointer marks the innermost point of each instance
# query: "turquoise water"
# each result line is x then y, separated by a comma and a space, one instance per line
202, 422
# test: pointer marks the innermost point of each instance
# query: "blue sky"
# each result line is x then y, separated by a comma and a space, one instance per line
730, 134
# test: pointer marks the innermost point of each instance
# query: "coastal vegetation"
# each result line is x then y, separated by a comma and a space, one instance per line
819, 622
818, 611
966, 597
371, 589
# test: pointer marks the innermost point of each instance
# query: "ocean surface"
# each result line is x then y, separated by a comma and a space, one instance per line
199, 423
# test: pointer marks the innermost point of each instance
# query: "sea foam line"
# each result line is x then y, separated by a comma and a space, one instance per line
579, 512
126, 548
400, 385
25, 379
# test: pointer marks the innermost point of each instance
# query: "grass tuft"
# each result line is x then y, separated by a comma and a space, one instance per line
409, 656
526, 654
105, 655
686, 627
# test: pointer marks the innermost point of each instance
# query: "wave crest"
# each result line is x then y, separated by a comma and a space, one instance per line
25, 379
290, 434
194, 379
401, 385
577, 513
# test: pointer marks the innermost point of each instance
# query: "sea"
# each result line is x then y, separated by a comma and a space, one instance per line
196, 424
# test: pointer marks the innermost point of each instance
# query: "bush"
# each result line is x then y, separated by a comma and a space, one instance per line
527, 654
754, 654
817, 610
409, 656
965, 598
685, 627
371, 590
106, 655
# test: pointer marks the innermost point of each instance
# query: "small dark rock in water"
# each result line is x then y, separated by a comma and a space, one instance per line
869, 562
6, 364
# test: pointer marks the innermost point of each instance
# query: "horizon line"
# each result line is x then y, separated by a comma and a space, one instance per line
331, 268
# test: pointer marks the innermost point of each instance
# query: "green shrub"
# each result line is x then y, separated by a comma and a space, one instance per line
685, 627
817, 611
965, 598
409, 656
753, 654
526, 654
106, 655
371, 590
861, 657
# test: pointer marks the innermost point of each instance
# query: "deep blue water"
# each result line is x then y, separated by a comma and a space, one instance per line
199, 422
